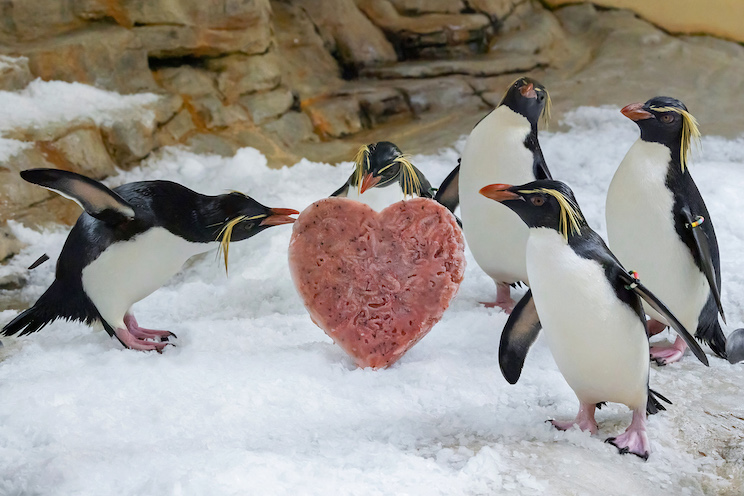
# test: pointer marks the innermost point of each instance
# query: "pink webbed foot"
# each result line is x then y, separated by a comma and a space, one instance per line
634, 440
138, 338
144, 333
584, 420
664, 355
503, 299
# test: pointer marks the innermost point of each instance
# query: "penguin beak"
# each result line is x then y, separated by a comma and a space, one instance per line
499, 192
368, 182
279, 216
528, 91
635, 112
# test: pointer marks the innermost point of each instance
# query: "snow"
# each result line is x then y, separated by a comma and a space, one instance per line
44, 102
255, 399
48, 103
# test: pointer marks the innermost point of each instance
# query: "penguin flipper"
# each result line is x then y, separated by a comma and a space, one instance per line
635, 285
539, 167
702, 243
520, 331
341, 192
448, 193
95, 198
39, 261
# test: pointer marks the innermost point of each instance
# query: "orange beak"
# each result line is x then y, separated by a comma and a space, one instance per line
368, 182
528, 91
279, 216
635, 112
498, 192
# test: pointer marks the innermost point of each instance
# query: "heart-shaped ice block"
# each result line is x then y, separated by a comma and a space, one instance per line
376, 283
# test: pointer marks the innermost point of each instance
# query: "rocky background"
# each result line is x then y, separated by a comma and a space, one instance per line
315, 79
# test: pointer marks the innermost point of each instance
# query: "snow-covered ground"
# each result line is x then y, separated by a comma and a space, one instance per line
255, 399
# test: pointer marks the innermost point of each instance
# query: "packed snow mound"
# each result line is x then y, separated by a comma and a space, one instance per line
255, 399
48, 102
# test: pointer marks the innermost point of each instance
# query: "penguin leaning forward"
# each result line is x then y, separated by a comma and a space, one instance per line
129, 241
658, 225
590, 308
502, 148
382, 176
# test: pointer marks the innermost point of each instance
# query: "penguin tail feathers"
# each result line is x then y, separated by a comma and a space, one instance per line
709, 329
653, 405
52, 305
27, 322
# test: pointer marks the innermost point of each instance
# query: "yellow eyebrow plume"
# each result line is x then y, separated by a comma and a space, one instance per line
361, 164
545, 115
570, 216
690, 132
411, 184
225, 234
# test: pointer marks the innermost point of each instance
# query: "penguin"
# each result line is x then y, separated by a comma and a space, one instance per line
590, 308
502, 148
448, 192
735, 346
658, 225
382, 176
127, 243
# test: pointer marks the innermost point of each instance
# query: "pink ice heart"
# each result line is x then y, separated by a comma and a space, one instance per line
376, 283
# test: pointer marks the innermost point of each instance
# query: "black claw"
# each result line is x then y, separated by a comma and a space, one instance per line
659, 361
174, 335
624, 450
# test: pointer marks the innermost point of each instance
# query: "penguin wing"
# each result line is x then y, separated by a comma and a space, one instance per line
95, 198
703, 254
539, 167
448, 193
343, 191
635, 285
519, 333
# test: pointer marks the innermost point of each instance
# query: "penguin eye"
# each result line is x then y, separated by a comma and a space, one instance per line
667, 118
538, 201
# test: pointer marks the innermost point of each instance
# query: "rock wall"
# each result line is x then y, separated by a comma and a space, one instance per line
313, 78
716, 17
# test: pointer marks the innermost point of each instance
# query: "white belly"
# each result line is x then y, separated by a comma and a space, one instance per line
377, 198
641, 233
128, 271
598, 342
495, 153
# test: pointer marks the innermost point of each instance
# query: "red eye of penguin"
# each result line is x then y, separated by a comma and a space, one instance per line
538, 201
667, 118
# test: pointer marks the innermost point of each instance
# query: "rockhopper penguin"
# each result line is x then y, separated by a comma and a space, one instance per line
502, 148
382, 176
128, 243
658, 225
589, 306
